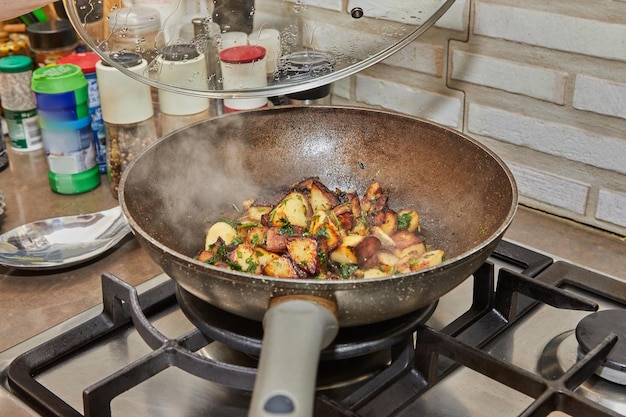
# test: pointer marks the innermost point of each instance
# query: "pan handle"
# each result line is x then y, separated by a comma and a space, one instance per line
295, 332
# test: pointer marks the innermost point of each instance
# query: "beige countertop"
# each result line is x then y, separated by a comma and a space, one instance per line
33, 301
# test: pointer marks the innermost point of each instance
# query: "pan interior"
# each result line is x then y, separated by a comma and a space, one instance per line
183, 183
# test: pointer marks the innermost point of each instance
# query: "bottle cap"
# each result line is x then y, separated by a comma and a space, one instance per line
244, 54
51, 34
57, 79
15, 64
85, 60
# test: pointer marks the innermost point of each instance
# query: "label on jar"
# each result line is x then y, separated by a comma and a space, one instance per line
23, 129
70, 152
97, 123
4, 157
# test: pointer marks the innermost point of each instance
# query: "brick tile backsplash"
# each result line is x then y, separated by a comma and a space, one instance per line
543, 83
612, 207
409, 100
551, 189
600, 96
533, 81
556, 29
552, 138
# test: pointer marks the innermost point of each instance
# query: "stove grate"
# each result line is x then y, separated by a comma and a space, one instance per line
413, 370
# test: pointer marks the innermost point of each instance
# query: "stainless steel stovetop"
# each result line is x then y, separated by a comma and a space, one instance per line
498, 353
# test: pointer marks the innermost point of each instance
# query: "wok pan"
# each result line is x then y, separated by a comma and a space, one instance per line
170, 194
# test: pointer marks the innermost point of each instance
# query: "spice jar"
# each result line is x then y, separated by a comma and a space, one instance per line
87, 63
18, 102
127, 111
182, 65
135, 29
243, 67
51, 40
61, 95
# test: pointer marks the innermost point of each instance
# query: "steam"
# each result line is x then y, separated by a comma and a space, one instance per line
189, 179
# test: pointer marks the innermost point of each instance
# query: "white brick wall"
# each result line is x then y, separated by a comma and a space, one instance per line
409, 100
600, 96
559, 192
558, 29
611, 206
533, 81
542, 83
549, 137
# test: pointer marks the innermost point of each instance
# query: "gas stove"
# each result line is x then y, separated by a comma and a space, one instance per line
526, 335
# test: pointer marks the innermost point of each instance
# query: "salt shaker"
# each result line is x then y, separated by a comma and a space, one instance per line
127, 111
243, 67
182, 65
18, 102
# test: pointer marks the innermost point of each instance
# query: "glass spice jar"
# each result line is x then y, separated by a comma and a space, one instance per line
127, 111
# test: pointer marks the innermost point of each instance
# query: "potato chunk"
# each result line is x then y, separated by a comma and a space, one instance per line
281, 267
220, 230
303, 252
294, 210
321, 197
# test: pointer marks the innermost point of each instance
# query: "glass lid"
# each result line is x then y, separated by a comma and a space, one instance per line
250, 48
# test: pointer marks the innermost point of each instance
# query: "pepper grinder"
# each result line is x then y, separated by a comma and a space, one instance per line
127, 111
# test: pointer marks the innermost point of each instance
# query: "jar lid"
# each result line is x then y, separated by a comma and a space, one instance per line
57, 79
15, 63
85, 60
180, 52
125, 59
135, 18
51, 34
243, 54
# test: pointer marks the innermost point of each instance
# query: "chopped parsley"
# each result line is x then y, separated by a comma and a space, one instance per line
346, 271
404, 220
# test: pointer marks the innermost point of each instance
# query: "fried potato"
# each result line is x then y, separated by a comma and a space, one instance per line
313, 232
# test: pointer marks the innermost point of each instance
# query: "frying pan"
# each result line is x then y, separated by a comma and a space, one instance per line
170, 194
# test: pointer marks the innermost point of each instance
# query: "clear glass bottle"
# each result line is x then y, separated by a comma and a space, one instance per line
127, 111
18, 102
136, 29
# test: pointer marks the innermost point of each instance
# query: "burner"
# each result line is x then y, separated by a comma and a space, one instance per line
593, 329
246, 335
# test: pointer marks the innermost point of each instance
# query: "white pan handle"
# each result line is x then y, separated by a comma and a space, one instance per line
295, 332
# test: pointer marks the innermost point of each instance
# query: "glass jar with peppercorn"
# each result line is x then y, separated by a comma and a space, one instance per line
127, 111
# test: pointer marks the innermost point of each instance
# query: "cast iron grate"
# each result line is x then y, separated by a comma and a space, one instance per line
409, 375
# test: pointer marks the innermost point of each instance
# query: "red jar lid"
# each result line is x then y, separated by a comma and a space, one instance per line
85, 60
243, 54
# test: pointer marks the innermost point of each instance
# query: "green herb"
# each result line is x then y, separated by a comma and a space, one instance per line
321, 255
287, 229
246, 225
322, 231
237, 241
255, 240
346, 271
252, 265
404, 220
234, 266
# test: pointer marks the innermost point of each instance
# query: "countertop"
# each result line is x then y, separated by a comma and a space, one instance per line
31, 302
